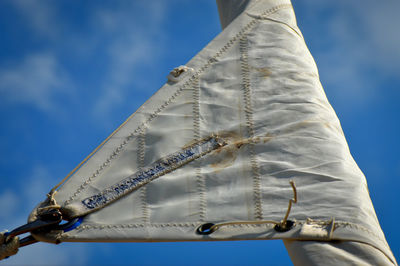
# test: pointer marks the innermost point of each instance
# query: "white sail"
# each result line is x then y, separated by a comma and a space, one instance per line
219, 144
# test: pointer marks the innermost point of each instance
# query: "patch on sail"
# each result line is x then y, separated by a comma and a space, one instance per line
155, 170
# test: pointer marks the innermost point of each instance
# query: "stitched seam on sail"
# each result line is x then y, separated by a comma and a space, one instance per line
139, 225
248, 110
196, 109
160, 225
176, 94
146, 175
359, 227
262, 17
143, 192
156, 225
200, 181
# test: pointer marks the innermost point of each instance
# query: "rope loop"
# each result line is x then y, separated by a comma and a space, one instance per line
282, 226
51, 204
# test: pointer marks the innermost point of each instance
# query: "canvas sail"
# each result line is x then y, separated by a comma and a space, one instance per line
219, 144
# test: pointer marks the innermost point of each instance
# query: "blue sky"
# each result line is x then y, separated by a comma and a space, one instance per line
71, 72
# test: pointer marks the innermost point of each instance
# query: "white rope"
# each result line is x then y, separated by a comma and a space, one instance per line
282, 224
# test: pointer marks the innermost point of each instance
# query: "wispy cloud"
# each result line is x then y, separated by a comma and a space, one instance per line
50, 254
40, 15
9, 202
16, 204
38, 80
381, 22
133, 44
25, 193
354, 43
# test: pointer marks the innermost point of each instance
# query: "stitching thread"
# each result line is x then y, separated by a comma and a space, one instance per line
248, 110
171, 99
149, 173
196, 109
160, 225
200, 181
359, 227
139, 225
277, 21
143, 192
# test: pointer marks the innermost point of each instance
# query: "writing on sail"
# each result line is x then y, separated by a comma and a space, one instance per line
155, 170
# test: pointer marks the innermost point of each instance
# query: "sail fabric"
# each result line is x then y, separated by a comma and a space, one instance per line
312, 253
219, 143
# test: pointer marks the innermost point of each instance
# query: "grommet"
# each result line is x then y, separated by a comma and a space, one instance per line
205, 229
280, 228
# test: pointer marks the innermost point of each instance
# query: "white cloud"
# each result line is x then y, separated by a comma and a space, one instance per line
382, 22
18, 201
40, 181
15, 206
36, 81
50, 254
9, 202
133, 42
358, 48
41, 16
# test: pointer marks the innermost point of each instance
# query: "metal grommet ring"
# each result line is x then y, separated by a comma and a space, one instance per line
205, 229
288, 225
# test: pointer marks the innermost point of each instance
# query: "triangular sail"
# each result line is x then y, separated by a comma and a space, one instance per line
219, 143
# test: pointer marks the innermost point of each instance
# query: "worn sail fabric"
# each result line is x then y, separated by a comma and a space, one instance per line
333, 253
219, 143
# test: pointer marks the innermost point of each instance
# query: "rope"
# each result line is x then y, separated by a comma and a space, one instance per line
8, 247
52, 204
281, 226
291, 201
